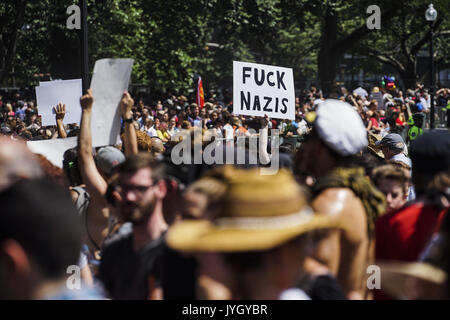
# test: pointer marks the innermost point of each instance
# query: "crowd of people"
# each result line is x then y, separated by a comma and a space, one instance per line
382, 111
362, 182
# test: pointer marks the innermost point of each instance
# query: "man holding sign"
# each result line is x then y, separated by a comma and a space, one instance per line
260, 90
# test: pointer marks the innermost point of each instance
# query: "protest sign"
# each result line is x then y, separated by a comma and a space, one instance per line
379, 97
109, 81
52, 149
49, 94
46, 83
260, 90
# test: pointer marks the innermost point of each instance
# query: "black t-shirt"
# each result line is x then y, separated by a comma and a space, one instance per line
325, 287
126, 273
179, 275
442, 101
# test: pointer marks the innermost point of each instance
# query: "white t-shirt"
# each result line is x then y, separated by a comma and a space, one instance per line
152, 132
425, 103
294, 294
402, 158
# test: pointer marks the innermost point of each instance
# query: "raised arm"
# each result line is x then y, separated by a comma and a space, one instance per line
94, 182
441, 90
130, 142
264, 156
408, 109
60, 111
353, 101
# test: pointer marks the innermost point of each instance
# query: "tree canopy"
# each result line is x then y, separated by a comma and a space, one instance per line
173, 40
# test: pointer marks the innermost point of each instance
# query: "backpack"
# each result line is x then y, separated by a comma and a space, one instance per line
83, 200
82, 205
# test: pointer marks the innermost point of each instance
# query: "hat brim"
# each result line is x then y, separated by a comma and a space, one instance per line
203, 235
403, 280
376, 152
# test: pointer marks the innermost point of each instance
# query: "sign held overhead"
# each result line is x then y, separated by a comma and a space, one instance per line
109, 81
50, 93
260, 90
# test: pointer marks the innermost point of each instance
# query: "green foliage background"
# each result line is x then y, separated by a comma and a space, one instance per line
168, 39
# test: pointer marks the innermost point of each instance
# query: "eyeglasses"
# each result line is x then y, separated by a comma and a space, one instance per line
133, 188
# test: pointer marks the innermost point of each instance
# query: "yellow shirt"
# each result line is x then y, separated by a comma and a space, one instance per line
162, 135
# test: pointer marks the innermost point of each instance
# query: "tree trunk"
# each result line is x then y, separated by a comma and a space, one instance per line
9, 39
409, 75
327, 58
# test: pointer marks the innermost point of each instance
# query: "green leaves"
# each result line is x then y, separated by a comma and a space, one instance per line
168, 39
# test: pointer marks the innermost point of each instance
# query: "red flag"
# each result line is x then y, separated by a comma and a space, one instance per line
200, 93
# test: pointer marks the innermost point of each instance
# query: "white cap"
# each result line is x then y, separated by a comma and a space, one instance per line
340, 127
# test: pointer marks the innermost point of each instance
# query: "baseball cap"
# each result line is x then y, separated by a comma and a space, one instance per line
392, 141
109, 157
340, 127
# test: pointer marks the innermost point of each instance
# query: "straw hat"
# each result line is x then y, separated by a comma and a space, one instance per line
373, 147
412, 280
257, 212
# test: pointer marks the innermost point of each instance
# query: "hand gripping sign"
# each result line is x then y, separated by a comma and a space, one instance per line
260, 90
50, 93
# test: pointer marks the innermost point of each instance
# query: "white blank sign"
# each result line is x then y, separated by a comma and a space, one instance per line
260, 90
46, 83
49, 94
53, 149
109, 81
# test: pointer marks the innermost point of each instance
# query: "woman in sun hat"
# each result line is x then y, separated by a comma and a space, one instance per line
256, 235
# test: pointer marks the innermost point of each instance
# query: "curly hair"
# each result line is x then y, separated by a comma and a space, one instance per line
52, 172
144, 142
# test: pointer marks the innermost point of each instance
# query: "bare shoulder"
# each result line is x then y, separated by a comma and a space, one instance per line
343, 204
333, 201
